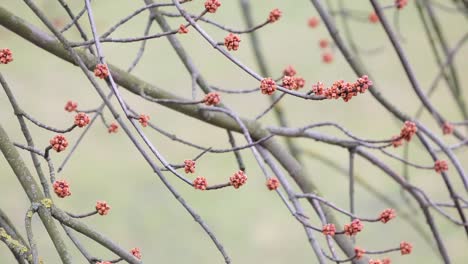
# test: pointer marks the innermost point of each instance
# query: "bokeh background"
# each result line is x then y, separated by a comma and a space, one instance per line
251, 222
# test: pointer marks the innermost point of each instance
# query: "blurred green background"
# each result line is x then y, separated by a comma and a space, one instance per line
251, 222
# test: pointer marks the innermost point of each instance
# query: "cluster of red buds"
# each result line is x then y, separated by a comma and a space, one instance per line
102, 207
359, 252
329, 230
267, 86
61, 188
290, 80
189, 166
405, 248
353, 228
59, 143
101, 71
274, 15
289, 83
289, 71
387, 215
406, 133
143, 119
272, 184
238, 179
6, 56
182, 29
212, 5
81, 120
342, 89
71, 106
212, 98
232, 41
200, 183
136, 253
356, 226
440, 166
447, 128
113, 128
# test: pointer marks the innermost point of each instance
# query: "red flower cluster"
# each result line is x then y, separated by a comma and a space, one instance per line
327, 57
212, 98
143, 119
274, 15
81, 119
102, 207
113, 128
182, 29
363, 83
440, 166
59, 143
397, 141
353, 228
238, 179
300, 82
232, 41
387, 215
386, 261
272, 184
359, 252
6, 56
318, 88
406, 133
136, 253
405, 248
313, 22
101, 71
200, 183
289, 82
62, 188
375, 261
373, 18
293, 82
342, 89
447, 128
212, 5
71, 106
268, 86
189, 166
401, 3
329, 230
289, 71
